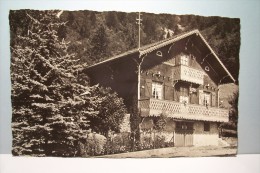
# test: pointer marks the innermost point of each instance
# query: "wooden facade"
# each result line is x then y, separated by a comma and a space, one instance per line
178, 78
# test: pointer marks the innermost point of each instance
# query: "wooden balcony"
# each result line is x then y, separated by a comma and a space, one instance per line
154, 107
182, 72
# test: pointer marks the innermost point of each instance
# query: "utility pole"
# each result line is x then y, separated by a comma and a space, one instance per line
139, 20
139, 64
139, 73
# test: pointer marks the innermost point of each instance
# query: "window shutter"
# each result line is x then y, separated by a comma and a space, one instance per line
175, 94
213, 99
194, 98
148, 88
168, 91
201, 97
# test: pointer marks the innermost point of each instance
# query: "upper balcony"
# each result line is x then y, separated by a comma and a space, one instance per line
182, 72
155, 107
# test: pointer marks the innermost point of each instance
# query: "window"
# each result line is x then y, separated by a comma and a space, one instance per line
184, 91
184, 60
157, 89
184, 125
184, 98
206, 126
204, 99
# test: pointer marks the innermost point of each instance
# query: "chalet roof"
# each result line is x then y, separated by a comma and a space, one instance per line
151, 47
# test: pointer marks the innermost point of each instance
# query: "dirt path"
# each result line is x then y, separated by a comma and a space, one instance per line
178, 152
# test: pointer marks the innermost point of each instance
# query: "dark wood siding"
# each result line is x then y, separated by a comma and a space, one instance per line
213, 99
148, 88
176, 94
162, 73
168, 91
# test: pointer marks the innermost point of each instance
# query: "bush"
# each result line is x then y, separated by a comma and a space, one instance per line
154, 140
97, 144
228, 133
94, 145
118, 143
159, 141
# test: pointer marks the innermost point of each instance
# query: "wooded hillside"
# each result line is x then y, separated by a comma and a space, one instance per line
96, 36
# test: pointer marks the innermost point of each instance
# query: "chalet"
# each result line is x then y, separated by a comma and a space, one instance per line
179, 78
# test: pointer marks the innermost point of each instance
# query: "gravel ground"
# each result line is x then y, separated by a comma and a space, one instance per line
178, 152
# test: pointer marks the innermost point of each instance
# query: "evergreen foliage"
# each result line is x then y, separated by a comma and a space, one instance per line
111, 109
229, 129
234, 108
52, 102
159, 123
86, 30
99, 44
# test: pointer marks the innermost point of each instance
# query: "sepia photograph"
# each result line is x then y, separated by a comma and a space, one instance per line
110, 84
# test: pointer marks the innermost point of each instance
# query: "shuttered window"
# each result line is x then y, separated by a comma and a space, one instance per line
157, 90
204, 98
207, 99
184, 95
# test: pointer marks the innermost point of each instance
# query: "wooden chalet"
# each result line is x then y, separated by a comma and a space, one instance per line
179, 78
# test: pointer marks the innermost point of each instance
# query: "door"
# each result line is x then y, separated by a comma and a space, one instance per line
183, 134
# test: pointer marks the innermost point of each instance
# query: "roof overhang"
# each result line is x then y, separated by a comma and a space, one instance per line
225, 75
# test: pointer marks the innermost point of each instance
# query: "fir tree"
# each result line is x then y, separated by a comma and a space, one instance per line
233, 114
99, 44
112, 20
49, 111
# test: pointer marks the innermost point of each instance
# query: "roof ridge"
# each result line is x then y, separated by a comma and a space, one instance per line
170, 38
145, 48
149, 48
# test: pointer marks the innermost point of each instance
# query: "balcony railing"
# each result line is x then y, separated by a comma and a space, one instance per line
154, 107
182, 72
